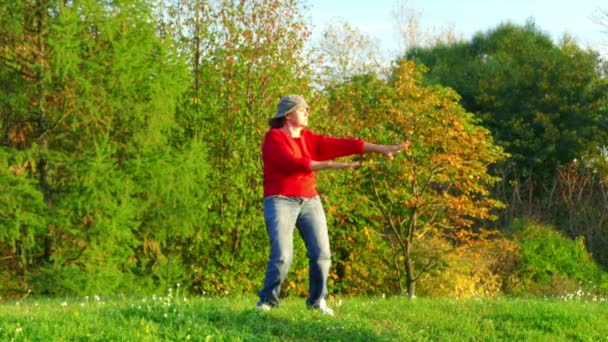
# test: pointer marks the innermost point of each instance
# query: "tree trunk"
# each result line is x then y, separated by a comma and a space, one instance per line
409, 272
42, 165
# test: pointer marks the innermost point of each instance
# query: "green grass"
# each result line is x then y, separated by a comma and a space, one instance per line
174, 318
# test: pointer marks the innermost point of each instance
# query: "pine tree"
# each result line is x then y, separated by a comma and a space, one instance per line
88, 130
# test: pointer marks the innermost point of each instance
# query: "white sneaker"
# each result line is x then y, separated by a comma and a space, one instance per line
263, 307
324, 309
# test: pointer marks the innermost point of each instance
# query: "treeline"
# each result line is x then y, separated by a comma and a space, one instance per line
547, 105
130, 152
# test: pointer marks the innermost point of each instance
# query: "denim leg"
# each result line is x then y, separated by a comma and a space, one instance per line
280, 215
312, 225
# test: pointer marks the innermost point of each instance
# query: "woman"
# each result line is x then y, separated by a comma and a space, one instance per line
292, 154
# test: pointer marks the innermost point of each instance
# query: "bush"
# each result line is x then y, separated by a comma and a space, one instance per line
549, 263
477, 270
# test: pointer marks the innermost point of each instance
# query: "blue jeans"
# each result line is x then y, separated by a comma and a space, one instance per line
282, 214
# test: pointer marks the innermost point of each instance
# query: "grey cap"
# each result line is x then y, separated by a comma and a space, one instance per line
289, 104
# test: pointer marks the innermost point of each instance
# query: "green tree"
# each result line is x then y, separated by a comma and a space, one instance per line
88, 128
541, 101
244, 55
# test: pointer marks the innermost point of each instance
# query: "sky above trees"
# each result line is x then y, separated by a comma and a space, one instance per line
467, 17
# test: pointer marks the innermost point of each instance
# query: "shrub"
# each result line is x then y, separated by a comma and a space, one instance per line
477, 270
550, 263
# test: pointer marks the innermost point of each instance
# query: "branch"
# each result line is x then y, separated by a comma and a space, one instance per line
386, 213
432, 263
423, 233
445, 226
438, 168
601, 18
11, 64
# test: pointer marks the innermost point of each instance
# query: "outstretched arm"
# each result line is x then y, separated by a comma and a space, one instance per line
330, 164
387, 150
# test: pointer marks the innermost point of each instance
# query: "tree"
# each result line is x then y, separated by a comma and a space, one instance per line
541, 101
601, 18
85, 141
545, 104
438, 189
22, 200
245, 55
441, 188
411, 33
361, 256
581, 196
344, 52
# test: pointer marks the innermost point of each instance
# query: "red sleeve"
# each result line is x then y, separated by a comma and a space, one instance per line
277, 152
327, 148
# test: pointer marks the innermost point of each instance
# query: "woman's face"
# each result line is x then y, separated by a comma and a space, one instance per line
299, 118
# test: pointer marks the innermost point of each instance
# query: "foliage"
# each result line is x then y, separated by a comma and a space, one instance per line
541, 101
86, 144
178, 317
245, 56
22, 206
440, 187
130, 135
545, 104
581, 196
549, 263
478, 270
362, 257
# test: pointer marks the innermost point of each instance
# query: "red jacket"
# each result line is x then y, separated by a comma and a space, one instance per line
287, 160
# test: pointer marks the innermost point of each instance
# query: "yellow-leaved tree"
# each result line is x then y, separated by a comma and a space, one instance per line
438, 188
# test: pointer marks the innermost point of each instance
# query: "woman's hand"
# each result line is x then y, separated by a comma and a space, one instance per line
387, 150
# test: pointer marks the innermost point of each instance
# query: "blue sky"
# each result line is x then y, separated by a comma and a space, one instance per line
554, 17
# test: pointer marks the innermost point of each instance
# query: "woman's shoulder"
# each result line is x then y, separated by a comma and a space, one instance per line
274, 134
